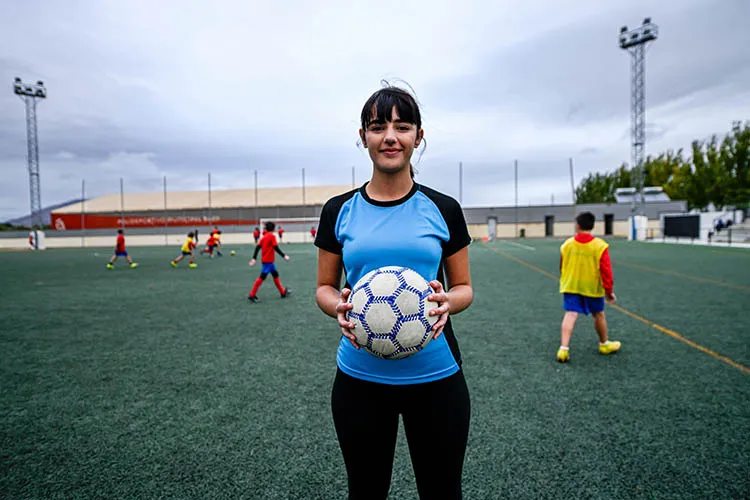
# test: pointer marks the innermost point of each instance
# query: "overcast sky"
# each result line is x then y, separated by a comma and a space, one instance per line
143, 89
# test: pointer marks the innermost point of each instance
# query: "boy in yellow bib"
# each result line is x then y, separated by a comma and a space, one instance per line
187, 250
586, 283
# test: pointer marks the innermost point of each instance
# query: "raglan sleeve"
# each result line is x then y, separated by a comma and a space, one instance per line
326, 235
457, 229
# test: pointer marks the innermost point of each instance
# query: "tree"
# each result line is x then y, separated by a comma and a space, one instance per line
717, 173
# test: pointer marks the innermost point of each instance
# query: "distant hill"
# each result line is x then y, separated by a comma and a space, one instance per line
25, 221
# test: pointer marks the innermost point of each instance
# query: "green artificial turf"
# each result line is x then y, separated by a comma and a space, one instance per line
166, 383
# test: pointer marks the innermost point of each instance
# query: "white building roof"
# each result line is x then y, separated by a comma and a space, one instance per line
197, 200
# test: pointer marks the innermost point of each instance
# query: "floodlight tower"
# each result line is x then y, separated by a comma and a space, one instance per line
634, 41
30, 94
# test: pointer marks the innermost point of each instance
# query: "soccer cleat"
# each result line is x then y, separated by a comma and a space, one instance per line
110, 266
174, 264
193, 265
253, 298
609, 347
563, 355
287, 293
133, 265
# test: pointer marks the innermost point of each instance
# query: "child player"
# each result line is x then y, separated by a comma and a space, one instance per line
586, 283
217, 240
120, 251
280, 231
210, 245
267, 247
256, 235
187, 249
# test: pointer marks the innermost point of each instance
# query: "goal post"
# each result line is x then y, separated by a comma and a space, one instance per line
296, 229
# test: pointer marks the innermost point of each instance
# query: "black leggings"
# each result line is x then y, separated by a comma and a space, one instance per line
436, 422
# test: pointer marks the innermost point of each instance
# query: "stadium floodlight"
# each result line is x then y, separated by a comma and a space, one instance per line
634, 41
30, 94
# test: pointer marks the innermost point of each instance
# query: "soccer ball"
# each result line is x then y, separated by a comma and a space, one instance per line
231, 253
390, 312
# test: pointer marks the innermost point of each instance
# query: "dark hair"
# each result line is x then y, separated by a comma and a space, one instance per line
585, 221
191, 234
270, 226
120, 231
379, 108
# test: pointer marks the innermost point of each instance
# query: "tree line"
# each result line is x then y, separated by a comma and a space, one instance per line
713, 171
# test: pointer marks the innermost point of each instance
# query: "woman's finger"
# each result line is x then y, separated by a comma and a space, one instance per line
344, 323
439, 326
350, 336
439, 311
440, 323
437, 334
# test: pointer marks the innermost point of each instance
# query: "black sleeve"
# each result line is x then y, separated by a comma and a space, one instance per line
453, 215
326, 235
278, 251
257, 249
458, 230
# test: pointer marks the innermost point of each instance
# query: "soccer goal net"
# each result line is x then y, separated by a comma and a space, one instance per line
296, 229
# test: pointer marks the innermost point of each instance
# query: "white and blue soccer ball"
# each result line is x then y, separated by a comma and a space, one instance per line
391, 312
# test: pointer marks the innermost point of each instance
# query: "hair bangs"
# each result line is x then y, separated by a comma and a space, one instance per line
379, 107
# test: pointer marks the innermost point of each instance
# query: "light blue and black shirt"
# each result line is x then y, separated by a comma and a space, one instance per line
418, 231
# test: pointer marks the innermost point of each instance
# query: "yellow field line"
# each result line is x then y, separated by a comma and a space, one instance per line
633, 315
681, 275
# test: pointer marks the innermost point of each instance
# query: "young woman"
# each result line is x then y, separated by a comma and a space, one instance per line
392, 220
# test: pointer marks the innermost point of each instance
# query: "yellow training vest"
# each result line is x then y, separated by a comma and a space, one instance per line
580, 267
187, 244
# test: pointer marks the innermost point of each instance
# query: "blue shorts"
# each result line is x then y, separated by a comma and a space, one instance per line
268, 268
582, 304
121, 254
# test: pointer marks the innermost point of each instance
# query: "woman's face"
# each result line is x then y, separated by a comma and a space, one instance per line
391, 143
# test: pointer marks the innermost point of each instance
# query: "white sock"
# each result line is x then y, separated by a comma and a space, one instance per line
564, 348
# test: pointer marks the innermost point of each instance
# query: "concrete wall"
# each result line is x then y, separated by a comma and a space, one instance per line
566, 213
560, 229
473, 215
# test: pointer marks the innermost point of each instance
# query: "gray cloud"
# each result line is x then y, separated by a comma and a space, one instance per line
577, 74
189, 89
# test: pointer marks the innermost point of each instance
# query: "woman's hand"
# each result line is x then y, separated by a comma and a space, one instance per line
341, 309
443, 309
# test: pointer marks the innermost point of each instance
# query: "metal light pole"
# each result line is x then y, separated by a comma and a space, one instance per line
634, 41
515, 182
255, 174
460, 183
30, 94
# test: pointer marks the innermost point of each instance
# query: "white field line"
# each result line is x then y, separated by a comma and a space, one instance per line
526, 247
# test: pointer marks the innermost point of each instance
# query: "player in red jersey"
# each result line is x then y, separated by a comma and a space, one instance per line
210, 245
268, 248
216, 233
313, 232
256, 235
120, 251
281, 233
